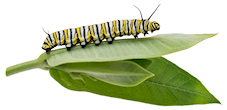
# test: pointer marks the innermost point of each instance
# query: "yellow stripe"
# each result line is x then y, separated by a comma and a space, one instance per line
124, 28
66, 36
115, 29
88, 35
53, 41
138, 26
62, 39
47, 42
92, 33
55, 36
75, 39
151, 27
78, 32
104, 31
131, 27
45, 46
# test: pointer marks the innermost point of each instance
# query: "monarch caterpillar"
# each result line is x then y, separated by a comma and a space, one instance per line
98, 32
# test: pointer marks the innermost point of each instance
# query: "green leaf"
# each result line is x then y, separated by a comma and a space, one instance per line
170, 86
121, 73
141, 48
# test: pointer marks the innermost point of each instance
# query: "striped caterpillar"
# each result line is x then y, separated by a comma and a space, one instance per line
97, 32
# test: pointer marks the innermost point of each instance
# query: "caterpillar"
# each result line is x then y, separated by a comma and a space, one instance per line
98, 32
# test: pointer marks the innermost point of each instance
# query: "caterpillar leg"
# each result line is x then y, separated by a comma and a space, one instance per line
48, 51
145, 33
97, 42
136, 36
68, 47
110, 40
83, 44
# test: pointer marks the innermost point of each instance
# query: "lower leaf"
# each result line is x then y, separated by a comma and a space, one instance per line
170, 86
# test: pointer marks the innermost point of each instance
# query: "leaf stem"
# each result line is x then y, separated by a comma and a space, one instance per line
25, 66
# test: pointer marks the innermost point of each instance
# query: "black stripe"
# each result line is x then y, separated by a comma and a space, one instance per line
64, 38
45, 43
77, 36
109, 29
104, 36
148, 25
128, 26
139, 26
71, 37
143, 26
84, 35
135, 26
119, 25
93, 29
153, 26
97, 29
114, 30
50, 40
89, 30
59, 35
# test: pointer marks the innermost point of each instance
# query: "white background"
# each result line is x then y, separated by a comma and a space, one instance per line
21, 23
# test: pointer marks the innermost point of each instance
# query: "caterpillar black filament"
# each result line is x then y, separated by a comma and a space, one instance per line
98, 32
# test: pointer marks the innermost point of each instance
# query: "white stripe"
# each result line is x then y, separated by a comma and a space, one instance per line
121, 25
82, 33
141, 26
50, 41
52, 38
73, 34
95, 31
133, 29
61, 34
86, 32
126, 26
69, 38
107, 30
100, 28
129, 25
111, 28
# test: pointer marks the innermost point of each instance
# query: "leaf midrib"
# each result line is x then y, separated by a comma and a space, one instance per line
174, 87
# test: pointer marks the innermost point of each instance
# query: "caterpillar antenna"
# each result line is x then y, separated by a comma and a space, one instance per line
140, 11
45, 31
154, 11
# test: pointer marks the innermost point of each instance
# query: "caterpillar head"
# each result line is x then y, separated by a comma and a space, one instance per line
155, 25
46, 46
152, 26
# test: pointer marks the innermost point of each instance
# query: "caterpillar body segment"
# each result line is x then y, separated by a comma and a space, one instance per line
97, 32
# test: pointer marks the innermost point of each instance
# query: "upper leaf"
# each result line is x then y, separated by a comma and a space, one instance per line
150, 47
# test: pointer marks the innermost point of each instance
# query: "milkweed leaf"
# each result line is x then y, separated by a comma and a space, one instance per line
150, 47
170, 86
